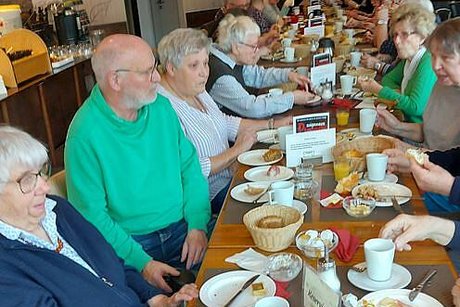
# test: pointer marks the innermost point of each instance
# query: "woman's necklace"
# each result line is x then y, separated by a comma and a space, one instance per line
194, 102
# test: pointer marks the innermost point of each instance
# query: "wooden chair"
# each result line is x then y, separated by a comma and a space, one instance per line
58, 185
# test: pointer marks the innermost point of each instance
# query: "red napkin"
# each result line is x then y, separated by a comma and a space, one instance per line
348, 244
281, 289
343, 103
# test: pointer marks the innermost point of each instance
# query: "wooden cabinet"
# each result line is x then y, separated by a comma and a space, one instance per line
45, 107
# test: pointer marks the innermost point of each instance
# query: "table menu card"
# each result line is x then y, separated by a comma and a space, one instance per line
316, 292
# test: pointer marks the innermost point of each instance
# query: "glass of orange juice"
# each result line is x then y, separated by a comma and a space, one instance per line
342, 116
342, 168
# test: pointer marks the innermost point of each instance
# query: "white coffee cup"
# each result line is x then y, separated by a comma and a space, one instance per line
274, 92
296, 10
349, 32
338, 26
281, 193
289, 53
272, 301
355, 58
339, 13
282, 132
286, 42
295, 26
291, 33
379, 254
366, 120
346, 84
376, 166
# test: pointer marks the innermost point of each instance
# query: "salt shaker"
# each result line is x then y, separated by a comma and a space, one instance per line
326, 269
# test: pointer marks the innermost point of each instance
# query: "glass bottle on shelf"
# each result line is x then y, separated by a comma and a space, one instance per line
305, 186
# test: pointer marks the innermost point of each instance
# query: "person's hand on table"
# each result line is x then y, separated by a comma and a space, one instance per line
431, 177
194, 247
387, 121
154, 271
186, 293
245, 139
397, 161
301, 80
368, 61
456, 293
408, 228
369, 85
302, 97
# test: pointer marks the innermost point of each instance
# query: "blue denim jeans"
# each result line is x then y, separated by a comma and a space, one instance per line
165, 245
439, 203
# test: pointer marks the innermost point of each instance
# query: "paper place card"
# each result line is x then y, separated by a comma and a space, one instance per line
311, 8
316, 292
323, 73
318, 30
310, 122
311, 144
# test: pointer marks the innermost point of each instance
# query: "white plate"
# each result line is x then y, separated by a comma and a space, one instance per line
254, 158
260, 174
352, 133
422, 300
316, 101
387, 189
338, 91
239, 194
296, 204
217, 291
294, 60
269, 136
400, 277
390, 178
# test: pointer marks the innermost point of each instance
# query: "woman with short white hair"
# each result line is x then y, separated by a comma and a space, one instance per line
184, 55
234, 75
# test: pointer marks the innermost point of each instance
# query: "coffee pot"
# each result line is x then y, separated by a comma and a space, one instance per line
326, 45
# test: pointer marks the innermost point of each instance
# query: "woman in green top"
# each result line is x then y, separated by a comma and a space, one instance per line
409, 84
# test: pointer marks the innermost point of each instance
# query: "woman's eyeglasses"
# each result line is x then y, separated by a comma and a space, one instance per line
28, 182
402, 35
254, 47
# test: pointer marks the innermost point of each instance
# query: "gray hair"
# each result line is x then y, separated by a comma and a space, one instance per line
234, 30
426, 4
422, 20
18, 149
446, 36
178, 44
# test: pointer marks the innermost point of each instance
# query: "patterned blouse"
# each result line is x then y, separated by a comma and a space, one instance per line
260, 19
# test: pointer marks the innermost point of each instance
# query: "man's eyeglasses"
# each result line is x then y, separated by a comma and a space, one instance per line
149, 71
254, 47
28, 182
403, 35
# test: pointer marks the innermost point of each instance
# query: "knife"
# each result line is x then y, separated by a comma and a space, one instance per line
246, 284
414, 292
396, 205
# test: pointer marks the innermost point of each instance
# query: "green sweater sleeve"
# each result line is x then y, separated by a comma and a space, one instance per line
86, 192
418, 89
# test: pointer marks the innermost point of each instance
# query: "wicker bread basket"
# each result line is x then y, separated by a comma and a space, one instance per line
364, 145
273, 239
343, 49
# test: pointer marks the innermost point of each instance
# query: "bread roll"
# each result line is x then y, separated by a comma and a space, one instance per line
416, 154
271, 221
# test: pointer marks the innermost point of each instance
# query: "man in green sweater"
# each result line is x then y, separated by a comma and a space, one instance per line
131, 171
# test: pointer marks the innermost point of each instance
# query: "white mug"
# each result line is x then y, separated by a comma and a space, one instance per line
281, 193
379, 254
272, 301
289, 53
282, 132
295, 26
376, 166
366, 120
274, 92
286, 42
339, 13
355, 58
349, 32
338, 26
346, 84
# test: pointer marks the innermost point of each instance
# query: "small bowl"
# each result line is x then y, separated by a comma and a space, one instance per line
284, 266
358, 207
312, 251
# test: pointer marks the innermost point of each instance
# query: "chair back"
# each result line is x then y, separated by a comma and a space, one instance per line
443, 14
58, 185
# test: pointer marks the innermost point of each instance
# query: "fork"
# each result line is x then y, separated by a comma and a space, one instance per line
255, 201
359, 267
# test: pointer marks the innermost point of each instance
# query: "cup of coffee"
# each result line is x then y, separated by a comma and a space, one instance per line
379, 254
339, 13
295, 26
281, 193
274, 92
272, 301
355, 58
366, 120
289, 53
282, 132
376, 166
286, 42
346, 84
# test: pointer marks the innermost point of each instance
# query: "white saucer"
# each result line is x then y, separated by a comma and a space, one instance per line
391, 178
297, 204
294, 60
400, 278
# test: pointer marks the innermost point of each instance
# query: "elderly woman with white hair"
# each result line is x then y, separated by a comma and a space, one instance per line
184, 56
49, 254
409, 84
234, 74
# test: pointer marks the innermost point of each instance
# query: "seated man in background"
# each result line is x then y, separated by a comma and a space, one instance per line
130, 169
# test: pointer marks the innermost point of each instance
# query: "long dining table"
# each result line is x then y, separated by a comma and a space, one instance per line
230, 235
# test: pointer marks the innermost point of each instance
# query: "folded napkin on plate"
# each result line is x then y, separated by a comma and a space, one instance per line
281, 289
249, 260
343, 103
348, 244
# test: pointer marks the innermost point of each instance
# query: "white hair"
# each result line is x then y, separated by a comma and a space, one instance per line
426, 4
234, 30
18, 149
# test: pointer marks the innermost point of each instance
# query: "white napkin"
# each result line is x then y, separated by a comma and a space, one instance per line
249, 260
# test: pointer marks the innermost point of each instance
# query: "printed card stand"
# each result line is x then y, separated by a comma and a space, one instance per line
316, 292
321, 59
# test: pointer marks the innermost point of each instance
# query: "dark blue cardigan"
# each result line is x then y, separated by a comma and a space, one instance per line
32, 276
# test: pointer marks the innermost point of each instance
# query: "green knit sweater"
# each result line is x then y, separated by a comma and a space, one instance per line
132, 178
417, 92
